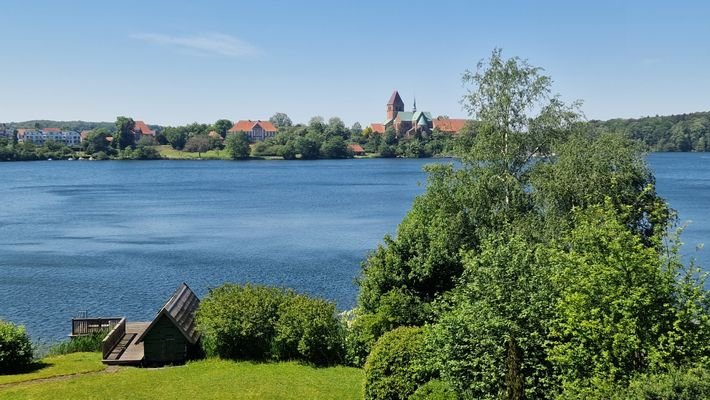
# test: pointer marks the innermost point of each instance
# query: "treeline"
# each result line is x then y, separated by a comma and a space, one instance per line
77, 126
683, 132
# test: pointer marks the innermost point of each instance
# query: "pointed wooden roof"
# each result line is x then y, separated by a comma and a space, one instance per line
395, 99
180, 309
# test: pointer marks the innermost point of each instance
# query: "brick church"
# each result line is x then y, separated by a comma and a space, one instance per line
407, 123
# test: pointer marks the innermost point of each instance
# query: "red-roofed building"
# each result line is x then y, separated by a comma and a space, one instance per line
256, 130
356, 149
378, 128
448, 125
140, 129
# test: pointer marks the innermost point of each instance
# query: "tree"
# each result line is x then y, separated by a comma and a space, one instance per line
124, 136
97, 141
221, 126
334, 147
280, 120
176, 136
198, 144
237, 145
356, 130
15, 348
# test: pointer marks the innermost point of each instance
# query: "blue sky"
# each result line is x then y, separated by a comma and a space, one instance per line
169, 62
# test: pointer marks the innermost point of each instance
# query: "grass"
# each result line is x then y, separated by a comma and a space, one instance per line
207, 379
166, 151
75, 363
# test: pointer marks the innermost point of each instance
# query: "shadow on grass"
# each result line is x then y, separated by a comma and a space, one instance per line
34, 367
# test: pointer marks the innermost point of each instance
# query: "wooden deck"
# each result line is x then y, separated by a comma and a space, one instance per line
126, 351
89, 326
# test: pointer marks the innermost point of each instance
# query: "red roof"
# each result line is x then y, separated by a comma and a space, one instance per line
378, 128
449, 125
356, 148
51, 130
395, 99
142, 128
84, 134
249, 125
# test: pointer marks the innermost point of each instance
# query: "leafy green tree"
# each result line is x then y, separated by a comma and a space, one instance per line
221, 126
198, 144
334, 147
309, 147
97, 141
124, 136
281, 120
237, 146
176, 136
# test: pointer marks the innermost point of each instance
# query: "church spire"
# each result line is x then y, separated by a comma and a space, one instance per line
415, 104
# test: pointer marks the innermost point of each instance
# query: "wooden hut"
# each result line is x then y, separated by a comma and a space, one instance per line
170, 338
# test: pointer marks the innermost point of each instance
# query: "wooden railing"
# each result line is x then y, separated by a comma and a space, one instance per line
113, 338
88, 326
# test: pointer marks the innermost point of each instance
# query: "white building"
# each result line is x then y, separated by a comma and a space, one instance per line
41, 136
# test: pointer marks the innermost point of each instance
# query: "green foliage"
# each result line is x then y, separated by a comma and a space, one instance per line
435, 390
683, 132
491, 343
96, 141
177, 137
221, 126
197, 144
124, 136
257, 322
238, 322
80, 344
15, 348
334, 147
307, 329
281, 120
395, 368
237, 146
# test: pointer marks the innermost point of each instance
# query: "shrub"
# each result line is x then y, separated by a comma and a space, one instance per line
15, 347
90, 343
258, 322
435, 390
396, 367
307, 329
239, 321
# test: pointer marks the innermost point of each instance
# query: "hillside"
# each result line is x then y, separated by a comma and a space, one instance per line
683, 132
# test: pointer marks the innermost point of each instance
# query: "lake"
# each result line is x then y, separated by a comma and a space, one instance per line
116, 238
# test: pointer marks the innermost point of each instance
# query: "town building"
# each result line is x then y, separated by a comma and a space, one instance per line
407, 123
42, 136
256, 130
356, 149
140, 129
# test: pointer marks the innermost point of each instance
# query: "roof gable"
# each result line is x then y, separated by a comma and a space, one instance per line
180, 309
395, 99
449, 125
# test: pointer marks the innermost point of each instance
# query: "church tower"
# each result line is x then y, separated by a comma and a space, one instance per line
394, 106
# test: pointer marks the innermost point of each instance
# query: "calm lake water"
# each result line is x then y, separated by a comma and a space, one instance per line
116, 238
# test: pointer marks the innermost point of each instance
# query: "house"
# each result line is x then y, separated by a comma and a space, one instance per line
170, 338
407, 123
140, 129
356, 149
6, 132
41, 136
256, 130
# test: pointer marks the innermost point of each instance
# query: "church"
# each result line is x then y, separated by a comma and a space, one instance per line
407, 123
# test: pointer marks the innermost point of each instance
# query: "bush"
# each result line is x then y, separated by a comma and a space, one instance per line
396, 367
308, 330
677, 384
15, 348
258, 323
90, 343
435, 390
239, 322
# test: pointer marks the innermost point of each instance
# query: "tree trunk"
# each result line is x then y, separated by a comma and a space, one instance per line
514, 380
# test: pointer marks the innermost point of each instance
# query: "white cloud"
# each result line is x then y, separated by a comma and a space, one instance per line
201, 44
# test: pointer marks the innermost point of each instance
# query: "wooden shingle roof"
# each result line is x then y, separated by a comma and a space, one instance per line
180, 309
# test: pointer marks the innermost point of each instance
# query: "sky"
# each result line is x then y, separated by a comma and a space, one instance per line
174, 62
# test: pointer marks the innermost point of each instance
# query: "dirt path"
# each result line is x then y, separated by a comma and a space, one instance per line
108, 370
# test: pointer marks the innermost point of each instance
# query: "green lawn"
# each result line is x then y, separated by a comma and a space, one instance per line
76, 363
167, 151
208, 379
